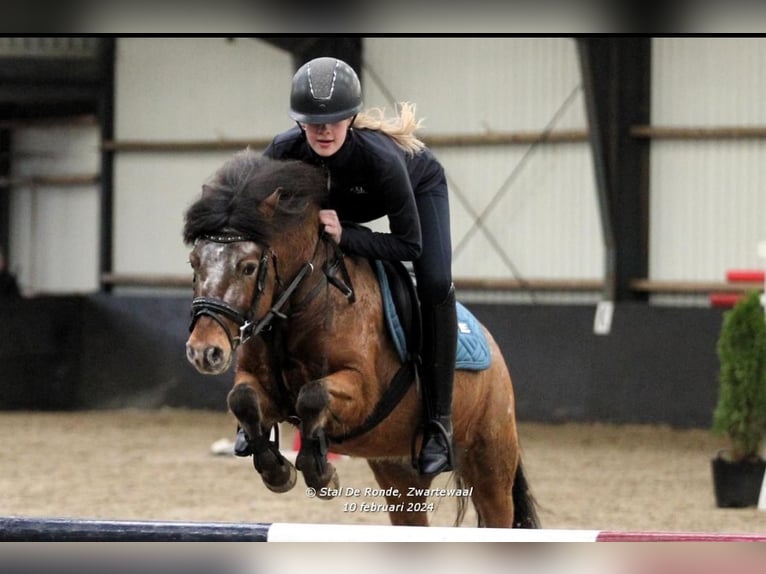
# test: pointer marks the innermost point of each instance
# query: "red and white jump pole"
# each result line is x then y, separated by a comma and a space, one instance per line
35, 529
742, 276
382, 533
734, 276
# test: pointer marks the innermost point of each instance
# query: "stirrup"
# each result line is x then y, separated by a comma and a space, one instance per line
436, 446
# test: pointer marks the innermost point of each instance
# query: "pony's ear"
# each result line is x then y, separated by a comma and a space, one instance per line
207, 191
269, 205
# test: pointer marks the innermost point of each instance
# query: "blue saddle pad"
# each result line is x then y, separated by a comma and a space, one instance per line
473, 353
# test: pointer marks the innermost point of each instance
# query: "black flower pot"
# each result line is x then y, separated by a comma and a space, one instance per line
737, 483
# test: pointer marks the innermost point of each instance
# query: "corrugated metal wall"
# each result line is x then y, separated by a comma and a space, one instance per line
708, 198
537, 202
184, 89
54, 227
541, 220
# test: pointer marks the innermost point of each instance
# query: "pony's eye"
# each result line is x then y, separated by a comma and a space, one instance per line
249, 269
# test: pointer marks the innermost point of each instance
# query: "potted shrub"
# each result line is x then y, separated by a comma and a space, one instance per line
740, 413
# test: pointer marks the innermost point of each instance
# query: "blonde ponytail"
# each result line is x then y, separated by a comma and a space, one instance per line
401, 128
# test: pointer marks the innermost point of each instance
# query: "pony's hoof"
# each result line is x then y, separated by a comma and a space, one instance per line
286, 481
332, 487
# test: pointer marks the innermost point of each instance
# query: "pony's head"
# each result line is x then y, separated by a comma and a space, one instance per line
248, 206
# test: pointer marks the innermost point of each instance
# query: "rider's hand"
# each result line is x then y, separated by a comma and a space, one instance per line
332, 226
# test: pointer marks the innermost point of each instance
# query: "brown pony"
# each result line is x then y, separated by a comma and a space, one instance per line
306, 325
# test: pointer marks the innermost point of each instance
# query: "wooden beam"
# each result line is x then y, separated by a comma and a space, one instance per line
150, 280
51, 180
182, 146
504, 138
491, 284
146, 280
432, 140
50, 122
692, 287
697, 133
487, 284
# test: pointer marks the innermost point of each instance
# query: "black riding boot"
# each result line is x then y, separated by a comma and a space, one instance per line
438, 373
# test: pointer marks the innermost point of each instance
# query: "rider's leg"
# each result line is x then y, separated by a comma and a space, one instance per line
437, 376
433, 271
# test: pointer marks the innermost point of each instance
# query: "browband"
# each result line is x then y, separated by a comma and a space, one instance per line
226, 238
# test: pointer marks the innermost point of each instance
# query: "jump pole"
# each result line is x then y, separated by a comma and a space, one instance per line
375, 533
20, 529
26, 529
749, 276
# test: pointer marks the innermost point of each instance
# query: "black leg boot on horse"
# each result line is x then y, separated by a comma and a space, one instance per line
437, 377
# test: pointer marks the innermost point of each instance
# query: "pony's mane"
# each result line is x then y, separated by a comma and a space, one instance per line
231, 201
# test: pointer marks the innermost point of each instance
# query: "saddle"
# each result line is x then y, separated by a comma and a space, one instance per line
402, 312
401, 307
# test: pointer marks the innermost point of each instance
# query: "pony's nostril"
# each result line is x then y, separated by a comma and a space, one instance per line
190, 353
214, 356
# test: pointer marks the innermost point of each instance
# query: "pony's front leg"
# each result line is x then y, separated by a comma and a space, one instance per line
312, 407
277, 473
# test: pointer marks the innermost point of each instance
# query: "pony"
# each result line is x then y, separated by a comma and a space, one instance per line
305, 327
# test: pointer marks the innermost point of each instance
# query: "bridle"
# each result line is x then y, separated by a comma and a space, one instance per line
248, 325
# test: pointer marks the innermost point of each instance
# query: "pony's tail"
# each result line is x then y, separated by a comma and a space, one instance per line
524, 505
462, 500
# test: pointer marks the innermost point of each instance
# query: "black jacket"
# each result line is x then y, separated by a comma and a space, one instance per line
370, 177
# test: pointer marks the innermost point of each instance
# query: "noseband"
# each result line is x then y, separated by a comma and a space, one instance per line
250, 327
217, 309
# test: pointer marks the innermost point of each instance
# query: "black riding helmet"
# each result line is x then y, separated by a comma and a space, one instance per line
325, 91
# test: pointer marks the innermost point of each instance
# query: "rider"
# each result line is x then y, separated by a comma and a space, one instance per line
377, 167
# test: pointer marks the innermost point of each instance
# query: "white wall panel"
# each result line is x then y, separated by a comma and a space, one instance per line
203, 88
55, 229
545, 221
476, 84
153, 191
184, 89
707, 208
709, 81
707, 197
